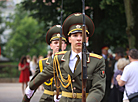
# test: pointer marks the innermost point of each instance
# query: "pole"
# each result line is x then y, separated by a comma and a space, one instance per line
60, 49
84, 56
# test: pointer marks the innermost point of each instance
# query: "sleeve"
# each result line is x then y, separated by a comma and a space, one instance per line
125, 74
25, 99
19, 64
30, 65
46, 74
97, 90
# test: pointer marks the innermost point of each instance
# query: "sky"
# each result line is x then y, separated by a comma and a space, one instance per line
16, 1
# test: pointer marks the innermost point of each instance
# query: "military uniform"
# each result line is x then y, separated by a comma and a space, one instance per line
49, 85
71, 83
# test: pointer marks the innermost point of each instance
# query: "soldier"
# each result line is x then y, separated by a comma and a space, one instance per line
69, 74
52, 39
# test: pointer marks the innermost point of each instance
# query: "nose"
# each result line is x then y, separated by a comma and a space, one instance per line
79, 37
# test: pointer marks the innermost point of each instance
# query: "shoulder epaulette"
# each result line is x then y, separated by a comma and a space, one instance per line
60, 53
44, 59
95, 55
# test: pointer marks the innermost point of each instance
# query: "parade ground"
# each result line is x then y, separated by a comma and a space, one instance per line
12, 92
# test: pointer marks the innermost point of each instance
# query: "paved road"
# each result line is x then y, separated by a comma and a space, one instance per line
11, 92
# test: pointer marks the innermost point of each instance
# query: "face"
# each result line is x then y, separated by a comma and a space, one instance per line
117, 57
55, 46
76, 42
104, 51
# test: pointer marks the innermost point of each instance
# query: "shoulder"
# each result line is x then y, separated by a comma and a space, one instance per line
19, 64
27, 63
95, 56
44, 59
60, 53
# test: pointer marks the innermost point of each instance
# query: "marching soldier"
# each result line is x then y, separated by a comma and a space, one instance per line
52, 39
66, 65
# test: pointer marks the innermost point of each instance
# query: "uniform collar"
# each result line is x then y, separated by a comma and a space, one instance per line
73, 55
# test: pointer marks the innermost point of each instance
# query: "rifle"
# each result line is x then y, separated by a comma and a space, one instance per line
84, 57
60, 49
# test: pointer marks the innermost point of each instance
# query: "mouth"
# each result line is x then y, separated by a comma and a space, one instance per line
78, 44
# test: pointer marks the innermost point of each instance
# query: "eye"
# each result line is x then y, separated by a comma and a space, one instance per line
63, 42
55, 42
74, 35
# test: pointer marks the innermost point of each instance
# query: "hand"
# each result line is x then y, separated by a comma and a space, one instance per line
118, 77
29, 92
57, 100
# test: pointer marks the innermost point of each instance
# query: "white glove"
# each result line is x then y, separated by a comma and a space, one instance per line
57, 100
29, 92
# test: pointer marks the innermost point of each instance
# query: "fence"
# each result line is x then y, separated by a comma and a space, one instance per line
9, 70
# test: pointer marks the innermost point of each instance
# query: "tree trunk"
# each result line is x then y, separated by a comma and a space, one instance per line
97, 39
130, 23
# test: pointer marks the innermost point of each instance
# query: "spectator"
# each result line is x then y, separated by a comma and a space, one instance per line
49, 54
130, 75
24, 75
118, 55
40, 57
33, 65
28, 58
108, 72
116, 94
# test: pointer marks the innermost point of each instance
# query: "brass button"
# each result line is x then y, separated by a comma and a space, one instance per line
73, 80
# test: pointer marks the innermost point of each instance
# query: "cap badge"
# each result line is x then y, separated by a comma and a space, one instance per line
58, 26
78, 26
58, 35
77, 14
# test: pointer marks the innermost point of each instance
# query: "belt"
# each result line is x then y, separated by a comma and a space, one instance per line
72, 95
50, 92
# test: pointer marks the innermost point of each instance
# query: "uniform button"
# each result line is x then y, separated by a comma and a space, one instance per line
73, 80
74, 88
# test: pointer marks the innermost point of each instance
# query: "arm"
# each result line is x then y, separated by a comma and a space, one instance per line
97, 90
25, 98
120, 82
20, 68
46, 74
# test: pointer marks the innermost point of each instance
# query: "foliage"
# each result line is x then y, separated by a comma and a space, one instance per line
2, 28
24, 37
113, 24
9, 70
108, 16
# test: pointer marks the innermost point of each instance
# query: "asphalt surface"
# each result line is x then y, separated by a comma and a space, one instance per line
12, 92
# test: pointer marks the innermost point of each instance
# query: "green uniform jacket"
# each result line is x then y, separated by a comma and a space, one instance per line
95, 71
45, 97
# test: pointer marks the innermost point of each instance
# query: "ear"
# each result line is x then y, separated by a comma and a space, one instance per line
65, 46
69, 39
51, 46
87, 38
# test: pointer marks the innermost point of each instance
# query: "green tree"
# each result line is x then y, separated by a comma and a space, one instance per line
24, 37
108, 16
2, 28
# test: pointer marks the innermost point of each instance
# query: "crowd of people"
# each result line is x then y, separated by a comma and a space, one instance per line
116, 67
27, 67
108, 79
